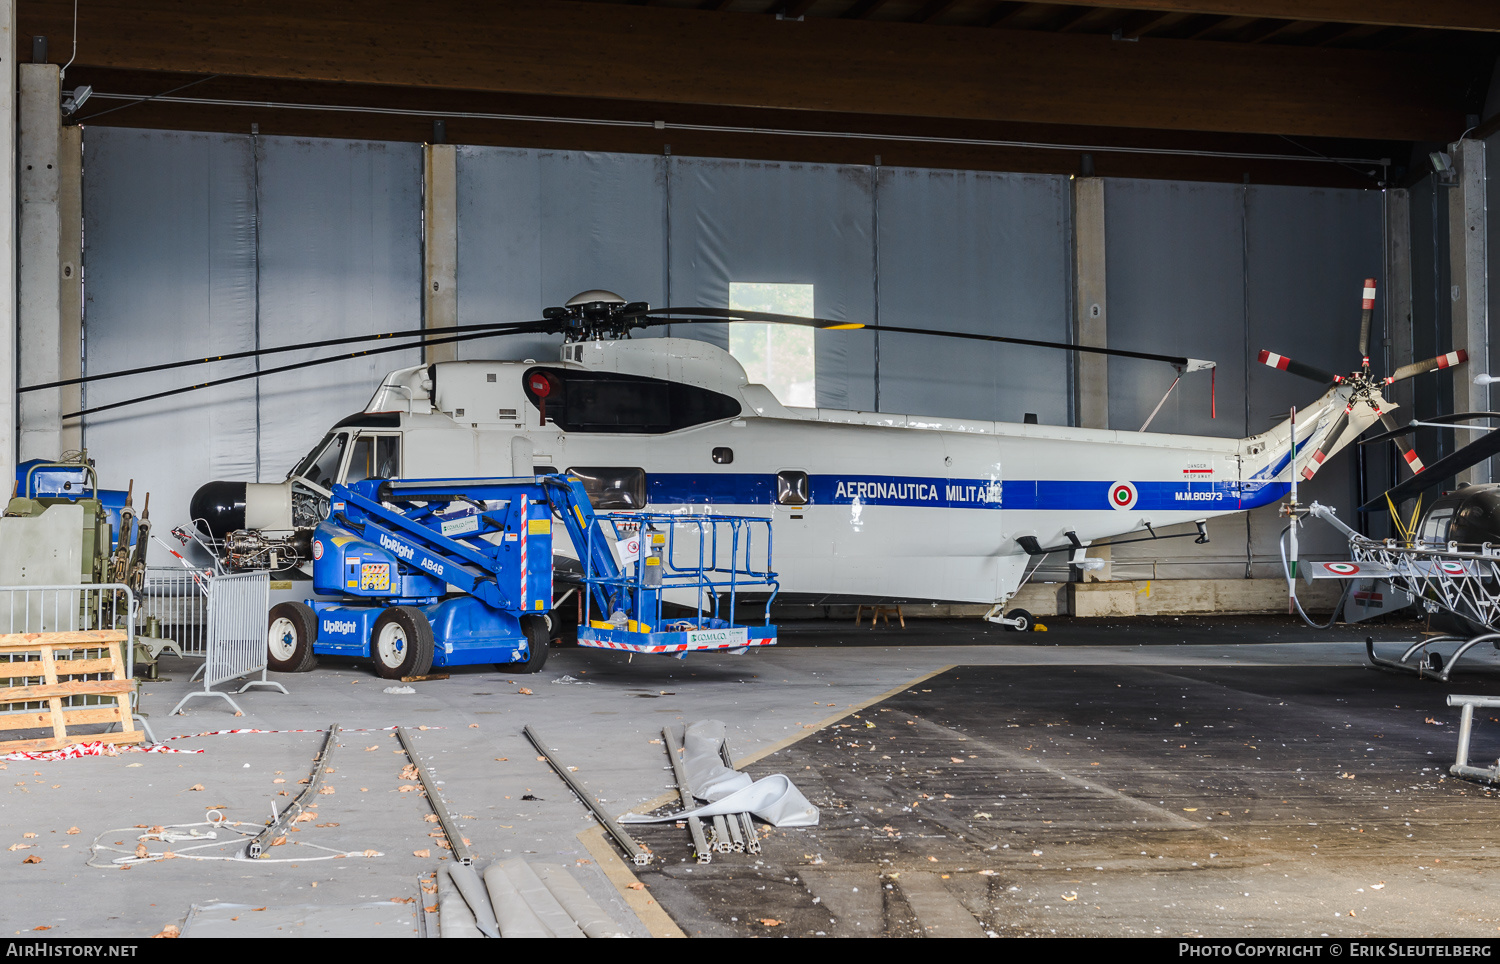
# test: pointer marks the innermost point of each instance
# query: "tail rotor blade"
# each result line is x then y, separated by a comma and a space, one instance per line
1329, 440
1367, 307
1285, 364
1432, 364
1397, 433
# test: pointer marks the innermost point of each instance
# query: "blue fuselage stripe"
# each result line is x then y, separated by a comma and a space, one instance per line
736, 488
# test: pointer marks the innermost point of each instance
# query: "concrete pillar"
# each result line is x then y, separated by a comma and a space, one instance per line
1470, 295
8, 320
49, 240
440, 257
1090, 320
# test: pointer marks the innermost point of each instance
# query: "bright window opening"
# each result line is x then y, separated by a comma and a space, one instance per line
779, 357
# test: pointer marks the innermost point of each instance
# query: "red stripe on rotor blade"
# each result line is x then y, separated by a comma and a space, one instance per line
1319, 456
1369, 293
1274, 360
1307, 473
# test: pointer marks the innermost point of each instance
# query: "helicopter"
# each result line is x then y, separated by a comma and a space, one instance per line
865, 504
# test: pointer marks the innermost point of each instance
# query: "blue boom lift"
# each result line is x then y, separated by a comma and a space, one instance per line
451, 572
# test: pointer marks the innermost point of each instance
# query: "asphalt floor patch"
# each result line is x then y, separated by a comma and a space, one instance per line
1118, 801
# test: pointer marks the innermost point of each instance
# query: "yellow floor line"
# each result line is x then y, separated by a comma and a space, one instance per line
618, 872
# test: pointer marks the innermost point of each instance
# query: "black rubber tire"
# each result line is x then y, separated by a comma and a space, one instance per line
538, 634
1435, 661
412, 656
1026, 626
299, 628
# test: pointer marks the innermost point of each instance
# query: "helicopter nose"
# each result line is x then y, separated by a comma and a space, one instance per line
218, 508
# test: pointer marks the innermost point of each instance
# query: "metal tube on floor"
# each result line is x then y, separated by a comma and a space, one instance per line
695, 824
633, 850
455, 841
266, 838
722, 843
752, 839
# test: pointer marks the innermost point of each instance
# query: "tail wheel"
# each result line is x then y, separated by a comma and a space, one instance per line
401, 643
291, 630
1024, 622
538, 630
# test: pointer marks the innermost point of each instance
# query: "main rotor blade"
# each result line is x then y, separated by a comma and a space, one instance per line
258, 352
1329, 440
1285, 364
524, 329
1367, 305
1408, 429
1449, 360
1395, 434
1435, 474
705, 315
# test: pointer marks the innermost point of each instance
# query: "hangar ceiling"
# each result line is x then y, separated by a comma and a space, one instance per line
1190, 89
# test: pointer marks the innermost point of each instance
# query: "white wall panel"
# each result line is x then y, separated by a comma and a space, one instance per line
169, 274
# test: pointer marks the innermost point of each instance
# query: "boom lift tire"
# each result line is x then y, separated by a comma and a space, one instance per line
538, 630
291, 630
401, 643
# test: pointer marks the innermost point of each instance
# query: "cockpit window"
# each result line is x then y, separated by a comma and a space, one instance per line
587, 401
321, 466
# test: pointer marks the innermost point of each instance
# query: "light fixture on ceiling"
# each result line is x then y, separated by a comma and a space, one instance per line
74, 99
1442, 167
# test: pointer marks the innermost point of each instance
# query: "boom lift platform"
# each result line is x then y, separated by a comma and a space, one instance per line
451, 572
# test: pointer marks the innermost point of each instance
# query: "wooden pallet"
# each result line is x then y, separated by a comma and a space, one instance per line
54, 657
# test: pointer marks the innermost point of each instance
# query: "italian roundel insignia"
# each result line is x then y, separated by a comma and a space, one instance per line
1341, 568
1122, 495
1453, 568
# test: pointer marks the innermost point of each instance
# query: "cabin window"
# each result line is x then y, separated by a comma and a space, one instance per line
723, 455
612, 488
1435, 527
791, 488
780, 357
608, 402
374, 457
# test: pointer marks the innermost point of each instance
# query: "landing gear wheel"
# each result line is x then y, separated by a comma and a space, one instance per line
291, 630
401, 643
1026, 623
538, 630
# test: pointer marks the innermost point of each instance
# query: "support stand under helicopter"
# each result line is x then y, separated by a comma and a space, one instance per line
1464, 585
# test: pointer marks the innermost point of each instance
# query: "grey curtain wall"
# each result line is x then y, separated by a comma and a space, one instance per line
198, 244
169, 273
536, 228
173, 269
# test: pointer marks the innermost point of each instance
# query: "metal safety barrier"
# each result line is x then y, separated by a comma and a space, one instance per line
236, 643
1461, 767
173, 607
69, 608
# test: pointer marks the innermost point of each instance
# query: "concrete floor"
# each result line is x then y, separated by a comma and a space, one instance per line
1086, 689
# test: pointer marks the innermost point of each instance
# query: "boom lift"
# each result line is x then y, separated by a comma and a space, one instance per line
451, 572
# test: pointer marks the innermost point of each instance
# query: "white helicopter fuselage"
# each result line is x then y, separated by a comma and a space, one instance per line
863, 504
